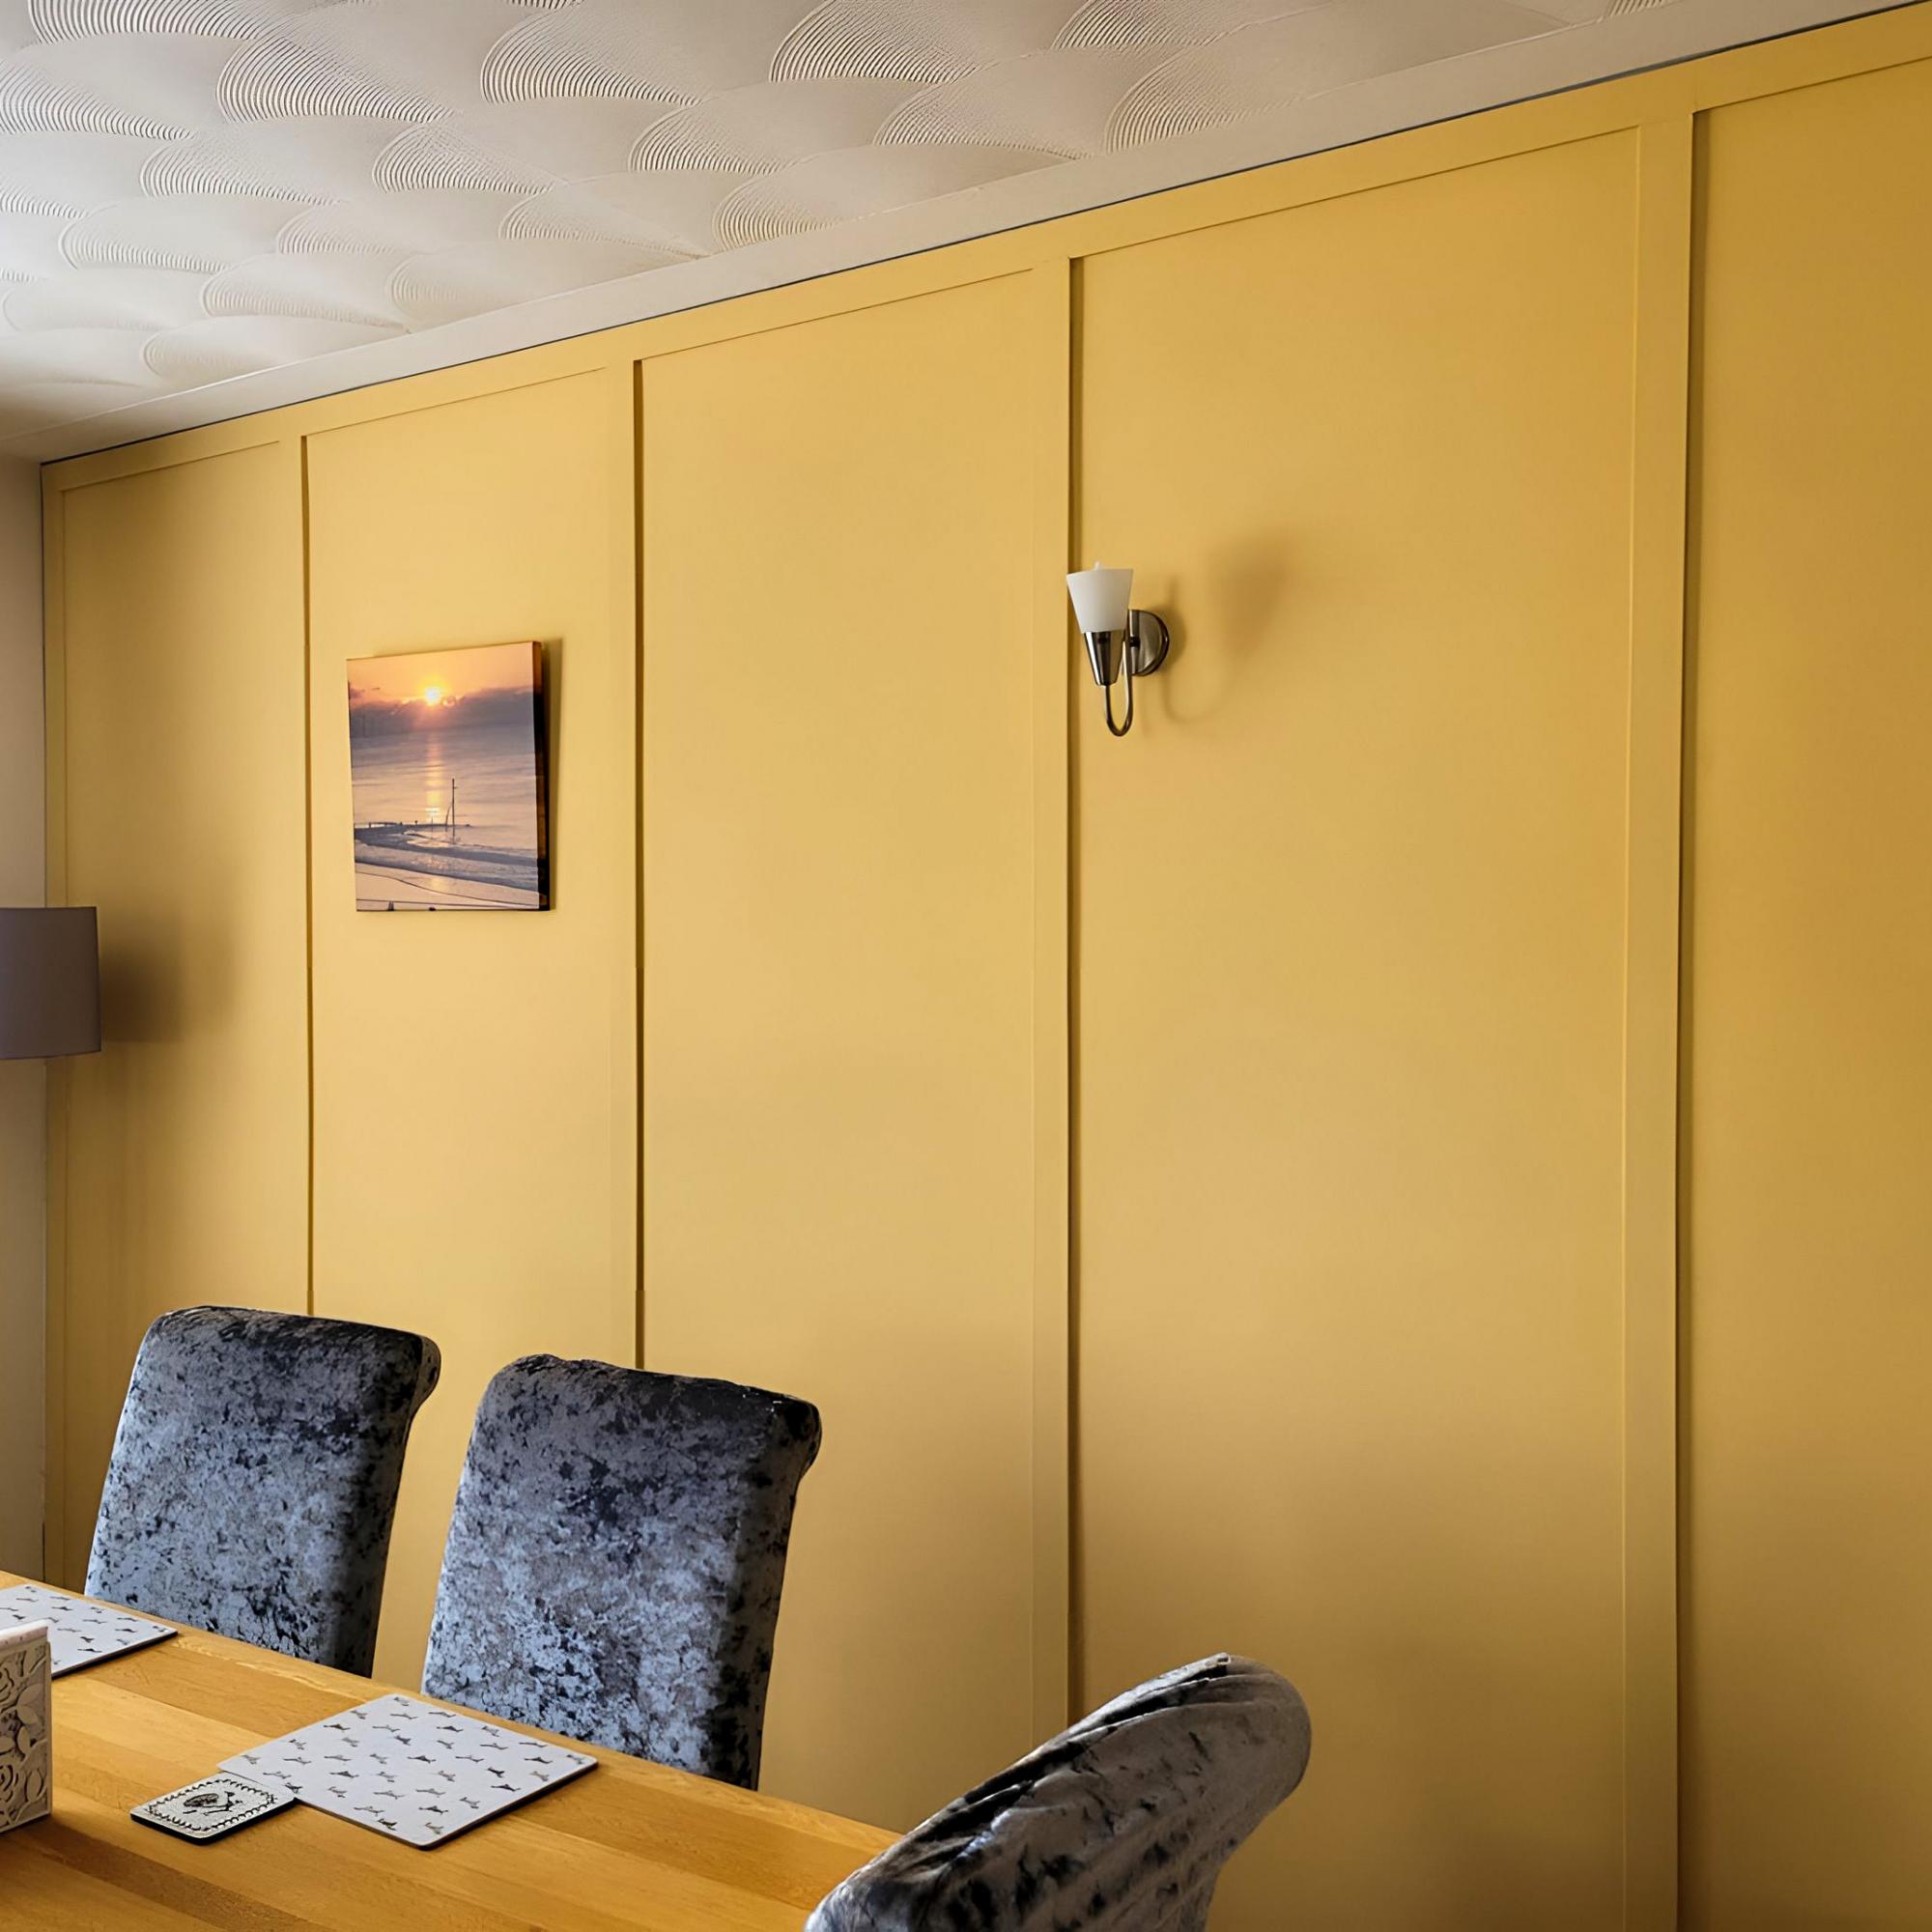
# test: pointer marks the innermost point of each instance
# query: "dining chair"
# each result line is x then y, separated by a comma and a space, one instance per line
616, 1556
253, 1478
1121, 1824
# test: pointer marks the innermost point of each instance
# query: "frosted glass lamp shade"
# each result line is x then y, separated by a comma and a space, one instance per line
49, 982
1100, 598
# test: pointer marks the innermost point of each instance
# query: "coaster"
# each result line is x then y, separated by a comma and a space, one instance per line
212, 1808
78, 1633
410, 1770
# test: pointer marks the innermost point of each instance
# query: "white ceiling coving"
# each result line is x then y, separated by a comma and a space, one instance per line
191, 190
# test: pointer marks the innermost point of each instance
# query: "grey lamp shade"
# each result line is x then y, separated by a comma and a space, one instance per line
49, 982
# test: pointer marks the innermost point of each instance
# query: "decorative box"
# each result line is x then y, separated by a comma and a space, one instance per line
26, 1726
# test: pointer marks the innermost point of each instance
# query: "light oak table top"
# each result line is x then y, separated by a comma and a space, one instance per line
628, 1844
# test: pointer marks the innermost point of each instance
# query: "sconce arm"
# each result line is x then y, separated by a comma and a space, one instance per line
1126, 723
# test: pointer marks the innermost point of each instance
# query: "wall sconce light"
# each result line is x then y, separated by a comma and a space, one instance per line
1118, 638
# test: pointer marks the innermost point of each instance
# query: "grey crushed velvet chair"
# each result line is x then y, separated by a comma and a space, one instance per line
616, 1559
253, 1480
1121, 1824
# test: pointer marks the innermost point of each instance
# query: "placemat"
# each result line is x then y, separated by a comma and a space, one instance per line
78, 1633
410, 1770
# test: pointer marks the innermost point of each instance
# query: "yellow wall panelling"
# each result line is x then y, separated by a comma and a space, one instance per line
1348, 1123
1808, 1063
185, 1150
1223, 1187
839, 988
475, 1084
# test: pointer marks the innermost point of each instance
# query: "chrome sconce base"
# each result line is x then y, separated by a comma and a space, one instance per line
1139, 651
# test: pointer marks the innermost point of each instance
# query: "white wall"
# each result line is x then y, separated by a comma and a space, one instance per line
22, 1081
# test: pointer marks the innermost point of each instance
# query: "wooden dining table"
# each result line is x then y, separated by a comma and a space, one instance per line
627, 1844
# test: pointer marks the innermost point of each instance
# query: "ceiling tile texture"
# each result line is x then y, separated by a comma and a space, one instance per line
195, 189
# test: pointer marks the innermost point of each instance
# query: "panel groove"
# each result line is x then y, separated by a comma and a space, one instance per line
53, 599
631, 547
1654, 889
1052, 346
308, 863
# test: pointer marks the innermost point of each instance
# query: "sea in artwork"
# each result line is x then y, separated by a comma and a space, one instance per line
445, 759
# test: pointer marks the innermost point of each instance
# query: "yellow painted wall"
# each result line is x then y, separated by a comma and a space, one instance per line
1222, 1187
475, 1074
23, 1108
184, 1173
1351, 951
838, 992
1809, 1719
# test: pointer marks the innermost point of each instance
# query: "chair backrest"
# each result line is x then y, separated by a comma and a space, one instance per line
1121, 1824
253, 1480
616, 1556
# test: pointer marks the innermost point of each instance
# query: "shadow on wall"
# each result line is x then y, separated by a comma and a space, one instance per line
1242, 593
147, 998
552, 703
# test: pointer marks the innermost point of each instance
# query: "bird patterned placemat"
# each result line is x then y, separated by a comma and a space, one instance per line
78, 1633
410, 1770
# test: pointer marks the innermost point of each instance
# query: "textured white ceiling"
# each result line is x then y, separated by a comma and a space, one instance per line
194, 189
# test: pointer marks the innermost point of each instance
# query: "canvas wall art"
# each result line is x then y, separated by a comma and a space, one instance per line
446, 763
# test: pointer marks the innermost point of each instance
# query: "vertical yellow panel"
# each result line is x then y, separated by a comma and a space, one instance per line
475, 1072
840, 693
1349, 943
1808, 1710
1050, 363
187, 1139
1652, 1007
24, 1412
